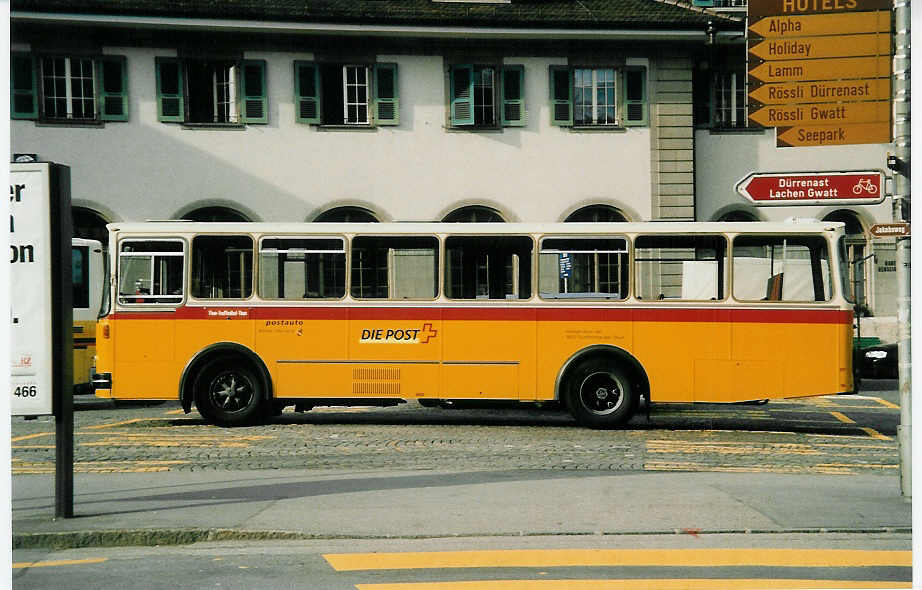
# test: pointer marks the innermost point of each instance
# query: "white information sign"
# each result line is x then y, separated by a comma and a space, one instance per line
30, 289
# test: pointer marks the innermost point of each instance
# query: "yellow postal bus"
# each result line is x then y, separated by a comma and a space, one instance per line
243, 319
87, 277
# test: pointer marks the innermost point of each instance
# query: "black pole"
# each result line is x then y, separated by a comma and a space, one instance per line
62, 355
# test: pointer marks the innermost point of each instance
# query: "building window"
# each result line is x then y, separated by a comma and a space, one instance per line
486, 96
729, 99
346, 215
474, 214
215, 214
207, 91
68, 88
595, 214
346, 94
595, 97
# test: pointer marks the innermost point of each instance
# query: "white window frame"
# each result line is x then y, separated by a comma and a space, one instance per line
594, 84
69, 97
478, 103
224, 94
349, 83
729, 99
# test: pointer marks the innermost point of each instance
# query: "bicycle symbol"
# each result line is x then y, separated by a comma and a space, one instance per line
864, 185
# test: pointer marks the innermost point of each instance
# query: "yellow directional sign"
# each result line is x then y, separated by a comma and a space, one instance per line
822, 135
795, 70
820, 91
822, 114
821, 47
806, 25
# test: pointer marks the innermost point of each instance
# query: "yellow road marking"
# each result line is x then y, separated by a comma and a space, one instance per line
122, 423
874, 434
28, 436
885, 403
620, 557
690, 466
635, 584
20, 467
842, 417
25, 564
174, 412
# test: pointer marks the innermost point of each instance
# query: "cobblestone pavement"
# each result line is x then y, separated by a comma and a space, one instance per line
831, 435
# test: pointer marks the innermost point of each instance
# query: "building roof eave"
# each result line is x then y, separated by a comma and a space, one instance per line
380, 30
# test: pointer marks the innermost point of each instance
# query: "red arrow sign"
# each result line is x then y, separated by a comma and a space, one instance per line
813, 188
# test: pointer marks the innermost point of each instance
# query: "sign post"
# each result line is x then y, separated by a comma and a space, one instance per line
41, 311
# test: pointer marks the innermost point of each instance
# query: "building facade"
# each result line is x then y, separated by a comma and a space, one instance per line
418, 110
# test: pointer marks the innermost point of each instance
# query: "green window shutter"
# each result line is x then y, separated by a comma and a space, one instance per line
387, 97
170, 97
514, 114
462, 95
307, 92
113, 88
23, 87
254, 92
635, 96
561, 83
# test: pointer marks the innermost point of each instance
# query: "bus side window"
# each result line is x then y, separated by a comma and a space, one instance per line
302, 268
685, 267
594, 268
488, 267
385, 267
79, 276
222, 267
150, 272
781, 268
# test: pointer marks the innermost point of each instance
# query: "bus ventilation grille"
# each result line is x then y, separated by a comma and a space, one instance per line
376, 381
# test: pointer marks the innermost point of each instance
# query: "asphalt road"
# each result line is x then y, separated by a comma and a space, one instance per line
828, 435
535, 563
836, 435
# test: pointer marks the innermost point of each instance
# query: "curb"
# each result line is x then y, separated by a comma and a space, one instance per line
153, 537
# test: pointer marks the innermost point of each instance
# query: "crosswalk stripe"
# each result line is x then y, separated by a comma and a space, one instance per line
637, 584
620, 558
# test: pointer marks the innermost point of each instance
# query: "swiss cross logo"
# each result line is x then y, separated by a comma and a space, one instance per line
426, 333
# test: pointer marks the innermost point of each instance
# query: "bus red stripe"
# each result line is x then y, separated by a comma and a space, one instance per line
561, 314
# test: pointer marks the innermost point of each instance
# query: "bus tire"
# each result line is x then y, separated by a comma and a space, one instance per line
600, 394
229, 394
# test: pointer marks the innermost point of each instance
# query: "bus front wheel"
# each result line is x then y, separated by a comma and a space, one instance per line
599, 395
228, 394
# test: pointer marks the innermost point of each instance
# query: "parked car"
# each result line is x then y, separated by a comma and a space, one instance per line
879, 362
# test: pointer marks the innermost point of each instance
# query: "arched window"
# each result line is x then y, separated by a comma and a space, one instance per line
594, 213
215, 214
856, 248
474, 214
89, 224
737, 215
347, 215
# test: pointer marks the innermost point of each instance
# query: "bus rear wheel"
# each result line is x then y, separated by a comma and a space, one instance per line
599, 395
228, 394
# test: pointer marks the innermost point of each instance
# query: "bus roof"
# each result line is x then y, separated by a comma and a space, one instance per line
666, 227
